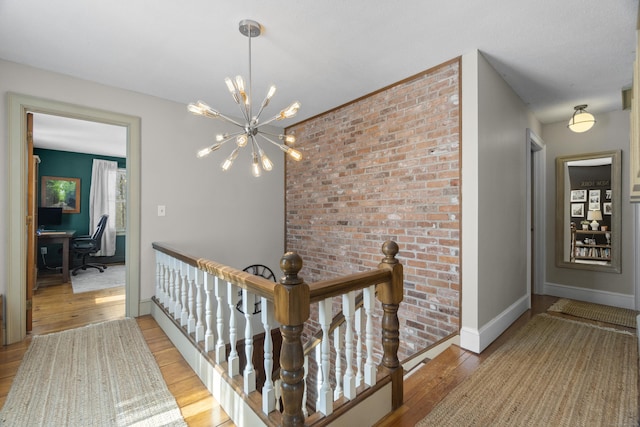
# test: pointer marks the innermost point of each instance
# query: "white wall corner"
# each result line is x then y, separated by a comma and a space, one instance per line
477, 340
590, 295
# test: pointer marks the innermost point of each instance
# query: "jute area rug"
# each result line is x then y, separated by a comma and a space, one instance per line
99, 375
92, 280
599, 312
553, 372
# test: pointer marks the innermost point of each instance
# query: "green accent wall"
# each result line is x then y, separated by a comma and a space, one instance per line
73, 165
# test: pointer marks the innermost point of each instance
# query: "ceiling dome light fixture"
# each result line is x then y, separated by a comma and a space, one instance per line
581, 121
251, 128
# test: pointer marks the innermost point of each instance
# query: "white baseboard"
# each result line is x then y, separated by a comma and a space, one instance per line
477, 340
144, 307
590, 295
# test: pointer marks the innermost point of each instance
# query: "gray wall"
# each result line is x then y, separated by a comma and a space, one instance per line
494, 203
230, 217
611, 132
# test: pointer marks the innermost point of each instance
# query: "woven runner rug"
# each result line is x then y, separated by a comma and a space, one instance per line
599, 312
98, 375
553, 372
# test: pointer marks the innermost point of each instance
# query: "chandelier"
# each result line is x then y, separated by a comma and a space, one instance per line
252, 127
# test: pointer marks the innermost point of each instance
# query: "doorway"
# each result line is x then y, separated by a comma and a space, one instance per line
16, 257
536, 164
67, 148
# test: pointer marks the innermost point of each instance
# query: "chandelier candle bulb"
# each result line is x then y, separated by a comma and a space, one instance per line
295, 154
255, 166
241, 140
206, 151
229, 160
290, 111
251, 128
266, 162
291, 139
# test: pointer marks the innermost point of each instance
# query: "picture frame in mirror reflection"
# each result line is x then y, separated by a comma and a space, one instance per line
578, 195
577, 210
588, 184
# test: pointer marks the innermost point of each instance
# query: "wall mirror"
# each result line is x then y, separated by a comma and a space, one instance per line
588, 211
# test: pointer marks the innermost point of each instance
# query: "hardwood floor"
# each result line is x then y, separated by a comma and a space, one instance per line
426, 387
57, 308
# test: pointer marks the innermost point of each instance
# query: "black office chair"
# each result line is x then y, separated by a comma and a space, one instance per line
87, 245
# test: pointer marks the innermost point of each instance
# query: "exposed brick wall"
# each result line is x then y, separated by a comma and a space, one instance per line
386, 166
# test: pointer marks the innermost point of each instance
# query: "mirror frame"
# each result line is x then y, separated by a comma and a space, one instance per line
616, 205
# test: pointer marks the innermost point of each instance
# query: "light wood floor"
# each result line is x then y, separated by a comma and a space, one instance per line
57, 308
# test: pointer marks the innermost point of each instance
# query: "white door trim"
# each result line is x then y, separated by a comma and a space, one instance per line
536, 169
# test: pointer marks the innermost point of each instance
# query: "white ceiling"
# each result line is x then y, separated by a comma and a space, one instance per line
65, 134
554, 54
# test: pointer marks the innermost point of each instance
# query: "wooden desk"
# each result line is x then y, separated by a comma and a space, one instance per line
62, 236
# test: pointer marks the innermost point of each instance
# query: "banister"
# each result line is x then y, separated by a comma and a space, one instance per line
353, 282
175, 253
292, 299
256, 284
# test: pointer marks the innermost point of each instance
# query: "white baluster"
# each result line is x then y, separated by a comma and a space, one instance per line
178, 290
233, 360
191, 309
174, 287
268, 392
369, 296
208, 316
165, 282
249, 372
158, 275
358, 326
166, 271
318, 373
337, 345
305, 411
221, 351
278, 388
325, 396
348, 308
185, 285
199, 285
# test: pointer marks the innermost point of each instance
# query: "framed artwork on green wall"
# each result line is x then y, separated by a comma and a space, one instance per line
60, 192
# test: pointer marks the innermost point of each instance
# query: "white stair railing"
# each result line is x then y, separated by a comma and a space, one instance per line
203, 301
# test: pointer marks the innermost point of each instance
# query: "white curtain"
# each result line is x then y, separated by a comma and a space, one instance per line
102, 200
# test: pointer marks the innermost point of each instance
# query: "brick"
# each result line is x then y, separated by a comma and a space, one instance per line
385, 167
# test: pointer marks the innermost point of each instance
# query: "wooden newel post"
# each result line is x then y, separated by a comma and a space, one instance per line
291, 311
390, 295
